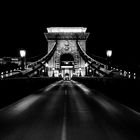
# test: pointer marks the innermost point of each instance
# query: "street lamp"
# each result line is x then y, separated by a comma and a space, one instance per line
46, 65
53, 71
90, 72
22, 55
109, 54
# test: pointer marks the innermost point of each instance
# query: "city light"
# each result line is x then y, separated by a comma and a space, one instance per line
86, 64
22, 53
46, 65
109, 53
23, 60
66, 30
134, 75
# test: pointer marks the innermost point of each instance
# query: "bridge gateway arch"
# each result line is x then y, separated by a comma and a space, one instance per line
66, 58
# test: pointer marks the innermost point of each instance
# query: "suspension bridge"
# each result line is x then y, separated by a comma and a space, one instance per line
79, 107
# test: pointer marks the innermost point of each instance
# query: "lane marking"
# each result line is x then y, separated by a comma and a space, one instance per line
81, 106
63, 135
53, 100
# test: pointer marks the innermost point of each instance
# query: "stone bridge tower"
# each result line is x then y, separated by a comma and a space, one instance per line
66, 59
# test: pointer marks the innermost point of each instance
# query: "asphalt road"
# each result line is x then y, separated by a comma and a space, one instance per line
67, 110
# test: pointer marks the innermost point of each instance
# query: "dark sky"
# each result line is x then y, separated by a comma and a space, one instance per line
115, 28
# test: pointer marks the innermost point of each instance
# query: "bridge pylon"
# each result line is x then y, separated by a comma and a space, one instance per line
66, 58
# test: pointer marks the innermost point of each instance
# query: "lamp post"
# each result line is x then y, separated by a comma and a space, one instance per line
53, 71
46, 65
90, 72
86, 69
109, 54
23, 57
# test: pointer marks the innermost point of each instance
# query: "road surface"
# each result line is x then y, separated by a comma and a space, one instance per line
67, 110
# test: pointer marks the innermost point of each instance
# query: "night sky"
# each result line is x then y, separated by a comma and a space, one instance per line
115, 28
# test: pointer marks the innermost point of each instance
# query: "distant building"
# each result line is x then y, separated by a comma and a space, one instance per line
10, 60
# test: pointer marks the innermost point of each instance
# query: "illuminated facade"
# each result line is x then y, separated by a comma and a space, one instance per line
66, 58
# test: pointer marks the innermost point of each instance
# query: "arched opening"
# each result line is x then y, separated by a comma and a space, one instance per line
67, 65
66, 60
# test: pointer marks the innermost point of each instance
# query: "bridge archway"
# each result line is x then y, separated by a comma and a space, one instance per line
67, 64
67, 57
